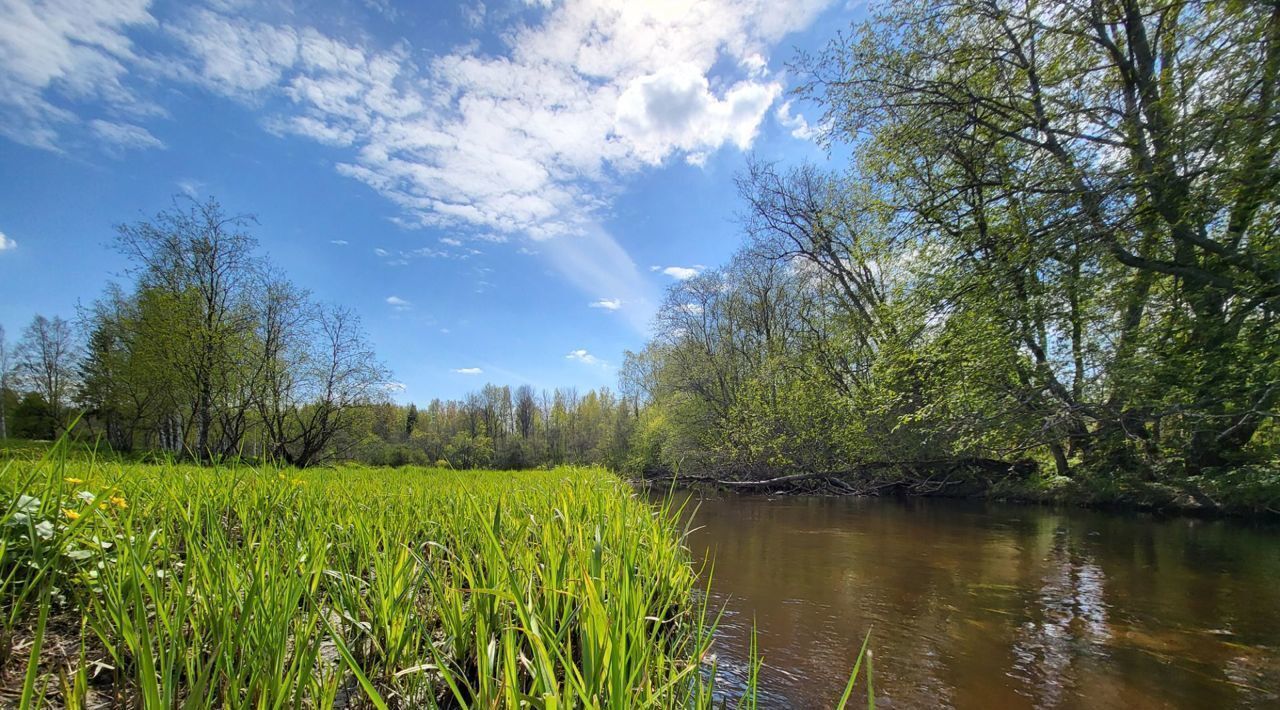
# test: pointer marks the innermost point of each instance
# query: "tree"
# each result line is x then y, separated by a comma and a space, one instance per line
333, 378
1093, 167
46, 361
200, 264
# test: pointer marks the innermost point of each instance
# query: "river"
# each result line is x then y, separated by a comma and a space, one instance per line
974, 605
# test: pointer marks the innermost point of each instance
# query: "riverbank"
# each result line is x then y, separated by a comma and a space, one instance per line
158, 585
1252, 491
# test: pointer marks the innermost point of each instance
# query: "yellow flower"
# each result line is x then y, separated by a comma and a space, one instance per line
119, 502
102, 506
298, 481
71, 514
74, 481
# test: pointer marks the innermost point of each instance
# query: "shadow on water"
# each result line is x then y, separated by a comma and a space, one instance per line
984, 605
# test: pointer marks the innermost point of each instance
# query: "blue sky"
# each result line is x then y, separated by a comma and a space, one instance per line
502, 190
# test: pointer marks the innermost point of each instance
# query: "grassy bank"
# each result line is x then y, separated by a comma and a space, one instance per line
178, 586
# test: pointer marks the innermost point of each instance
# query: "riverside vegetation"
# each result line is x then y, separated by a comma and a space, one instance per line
1042, 262
173, 585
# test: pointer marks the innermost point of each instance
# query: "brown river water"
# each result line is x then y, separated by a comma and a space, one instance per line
974, 605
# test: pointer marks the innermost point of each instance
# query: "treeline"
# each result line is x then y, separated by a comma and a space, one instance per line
498, 427
208, 352
1056, 242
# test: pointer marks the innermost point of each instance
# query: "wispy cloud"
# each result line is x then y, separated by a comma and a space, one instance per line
6, 243
467, 371
120, 137
398, 303
58, 56
190, 187
339, 242
608, 304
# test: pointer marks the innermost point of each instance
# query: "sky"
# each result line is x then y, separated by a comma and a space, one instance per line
503, 190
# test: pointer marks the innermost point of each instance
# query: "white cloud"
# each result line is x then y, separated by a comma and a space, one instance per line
6, 243
585, 357
473, 14
674, 110
56, 54
379, 251
608, 304
468, 371
339, 242
530, 141
682, 273
124, 136
398, 303
450, 241
796, 123
532, 138
190, 187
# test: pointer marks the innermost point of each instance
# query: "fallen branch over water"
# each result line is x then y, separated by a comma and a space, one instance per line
942, 476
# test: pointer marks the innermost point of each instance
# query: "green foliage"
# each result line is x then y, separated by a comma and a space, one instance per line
1001, 273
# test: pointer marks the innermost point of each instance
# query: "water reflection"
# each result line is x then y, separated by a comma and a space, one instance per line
994, 606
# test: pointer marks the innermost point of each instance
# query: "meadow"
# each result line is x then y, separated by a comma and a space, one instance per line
173, 585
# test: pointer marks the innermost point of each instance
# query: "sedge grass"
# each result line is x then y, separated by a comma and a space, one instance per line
176, 586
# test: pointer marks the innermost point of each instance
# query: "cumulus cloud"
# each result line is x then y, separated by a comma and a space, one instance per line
6, 243
608, 304
674, 110
467, 371
398, 303
795, 122
529, 141
680, 273
585, 357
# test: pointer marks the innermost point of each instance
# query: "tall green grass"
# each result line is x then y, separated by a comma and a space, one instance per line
175, 586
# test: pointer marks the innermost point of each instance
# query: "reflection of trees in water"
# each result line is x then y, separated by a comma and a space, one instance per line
1066, 619
975, 606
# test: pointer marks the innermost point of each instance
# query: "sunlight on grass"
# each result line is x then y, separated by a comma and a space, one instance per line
180, 586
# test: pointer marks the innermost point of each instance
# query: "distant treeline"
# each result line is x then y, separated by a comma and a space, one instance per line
499, 427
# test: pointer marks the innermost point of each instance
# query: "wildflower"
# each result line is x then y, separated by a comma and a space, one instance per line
119, 502
71, 514
85, 496
298, 481
74, 481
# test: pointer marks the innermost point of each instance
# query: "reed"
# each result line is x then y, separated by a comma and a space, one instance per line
177, 586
